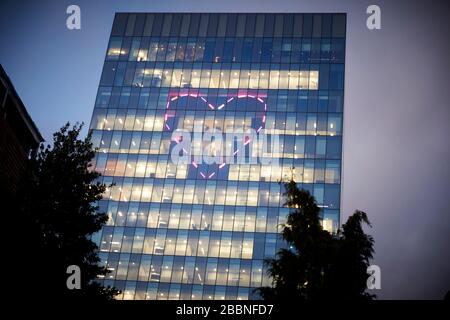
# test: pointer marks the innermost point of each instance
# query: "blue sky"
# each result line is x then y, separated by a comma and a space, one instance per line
396, 121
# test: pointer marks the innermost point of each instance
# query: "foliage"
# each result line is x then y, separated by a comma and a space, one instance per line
318, 264
57, 208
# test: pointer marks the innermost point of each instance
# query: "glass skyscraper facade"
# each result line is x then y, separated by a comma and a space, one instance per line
201, 231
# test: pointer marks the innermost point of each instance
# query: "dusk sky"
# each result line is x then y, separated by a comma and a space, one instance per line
396, 147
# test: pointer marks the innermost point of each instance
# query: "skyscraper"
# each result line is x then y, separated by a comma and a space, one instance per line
196, 229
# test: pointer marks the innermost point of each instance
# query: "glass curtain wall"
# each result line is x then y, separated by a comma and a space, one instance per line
196, 231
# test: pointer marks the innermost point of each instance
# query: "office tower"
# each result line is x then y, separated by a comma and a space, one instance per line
198, 230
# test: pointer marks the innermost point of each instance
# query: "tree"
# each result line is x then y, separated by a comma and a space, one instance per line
318, 264
58, 212
355, 249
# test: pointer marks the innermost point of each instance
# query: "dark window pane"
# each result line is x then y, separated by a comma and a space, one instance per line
258, 247
129, 74
298, 25
336, 76
268, 25
203, 25
212, 27
307, 25
315, 51
109, 70
286, 49
326, 25
237, 50
194, 24
157, 24
333, 147
218, 50
228, 50
257, 47
250, 25
134, 98
310, 146
166, 25
338, 50
103, 96
323, 78
139, 25
276, 50
115, 94
332, 196
325, 50
247, 50
296, 50
266, 50
335, 101
278, 28
130, 24
240, 28
288, 24
317, 26
209, 50
339, 25
120, 22
148, 24
176, 24
339, 21
231, 25
222, 27
124, 97
120, 73
259, 28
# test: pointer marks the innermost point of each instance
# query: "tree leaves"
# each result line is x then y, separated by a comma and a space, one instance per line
320, 265
57, 208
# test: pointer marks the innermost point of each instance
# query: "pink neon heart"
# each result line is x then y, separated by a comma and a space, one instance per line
211, 106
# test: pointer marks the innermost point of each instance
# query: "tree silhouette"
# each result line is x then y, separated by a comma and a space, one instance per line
58, 213
318, 264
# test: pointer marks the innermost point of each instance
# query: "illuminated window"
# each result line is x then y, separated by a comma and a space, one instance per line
114, 48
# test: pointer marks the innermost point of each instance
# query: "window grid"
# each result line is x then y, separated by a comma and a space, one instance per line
172, 234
